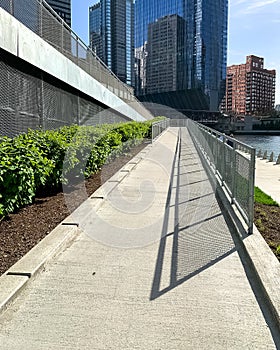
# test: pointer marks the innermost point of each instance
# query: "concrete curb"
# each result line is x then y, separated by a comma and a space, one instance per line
263, 262
10, 288
16, 278
267, 267
81, 214
103, 191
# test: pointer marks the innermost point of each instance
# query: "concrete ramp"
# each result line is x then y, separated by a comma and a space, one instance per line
158, 266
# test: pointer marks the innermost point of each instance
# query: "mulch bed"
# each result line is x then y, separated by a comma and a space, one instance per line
21, 231
267, 219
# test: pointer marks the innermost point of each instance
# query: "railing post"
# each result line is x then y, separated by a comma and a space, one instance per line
41, 19
223, 168
42, 108
251, 190
62, 30
241, 192
77, 50
234, 174
12, 7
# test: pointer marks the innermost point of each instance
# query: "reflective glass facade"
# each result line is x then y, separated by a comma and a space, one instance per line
62, 8
111, 29
205, 53
166, 59
95, 38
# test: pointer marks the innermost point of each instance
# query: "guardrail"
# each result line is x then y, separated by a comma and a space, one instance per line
159, 127
232, 162
39, 17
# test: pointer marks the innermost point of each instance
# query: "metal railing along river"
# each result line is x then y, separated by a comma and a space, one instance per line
233, 163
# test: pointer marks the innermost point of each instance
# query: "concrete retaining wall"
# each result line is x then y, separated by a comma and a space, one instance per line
23, 43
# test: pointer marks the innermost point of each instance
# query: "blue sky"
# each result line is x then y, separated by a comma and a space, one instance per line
254, 28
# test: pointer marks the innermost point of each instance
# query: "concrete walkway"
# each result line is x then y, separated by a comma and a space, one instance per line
157, 266
268, 178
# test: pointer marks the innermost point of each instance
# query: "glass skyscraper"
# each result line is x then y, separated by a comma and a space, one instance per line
62, 8
165, 55
205, 38
111, 32
95, 37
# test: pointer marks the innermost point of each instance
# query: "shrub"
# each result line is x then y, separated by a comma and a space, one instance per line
40, 160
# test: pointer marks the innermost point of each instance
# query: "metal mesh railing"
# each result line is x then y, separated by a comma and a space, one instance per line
38, 16
32, 101
233, 163
159, 127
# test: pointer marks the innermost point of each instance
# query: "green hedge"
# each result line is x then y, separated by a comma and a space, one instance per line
40, 160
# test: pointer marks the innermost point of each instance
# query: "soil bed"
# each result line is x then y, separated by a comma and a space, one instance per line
21, 231
267, 220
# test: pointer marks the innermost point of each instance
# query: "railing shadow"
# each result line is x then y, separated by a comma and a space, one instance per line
195, 223
197, 233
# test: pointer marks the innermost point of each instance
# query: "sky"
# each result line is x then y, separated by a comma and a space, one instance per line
253, 29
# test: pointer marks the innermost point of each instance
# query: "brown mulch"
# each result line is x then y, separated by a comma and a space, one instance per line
21, 231
267, 220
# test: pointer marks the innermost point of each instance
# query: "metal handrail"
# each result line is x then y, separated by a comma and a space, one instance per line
159, 127
86, 59
233, 164
51, 10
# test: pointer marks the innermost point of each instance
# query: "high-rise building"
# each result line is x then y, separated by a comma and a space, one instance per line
140, 69
95, 37
250, 89
165, 54
204, 53
62, 8
111, 32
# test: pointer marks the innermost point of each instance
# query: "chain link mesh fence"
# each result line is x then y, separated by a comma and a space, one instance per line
159, 127
31, 100
39, 17
27, 100
20, 100
233, 163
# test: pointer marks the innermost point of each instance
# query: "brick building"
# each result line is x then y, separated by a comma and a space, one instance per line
250, 89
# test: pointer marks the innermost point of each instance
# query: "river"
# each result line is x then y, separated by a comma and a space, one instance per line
269, 143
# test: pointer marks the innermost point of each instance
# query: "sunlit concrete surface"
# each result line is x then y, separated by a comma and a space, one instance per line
268, 178
161, 269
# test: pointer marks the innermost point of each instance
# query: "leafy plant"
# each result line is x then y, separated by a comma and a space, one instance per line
41, 160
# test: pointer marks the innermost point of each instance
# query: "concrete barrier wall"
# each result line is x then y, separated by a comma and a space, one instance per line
18, 40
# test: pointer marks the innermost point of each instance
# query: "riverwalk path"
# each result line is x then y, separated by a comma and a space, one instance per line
267, 178
156, 264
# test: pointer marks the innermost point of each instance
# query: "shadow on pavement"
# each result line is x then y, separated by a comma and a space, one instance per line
198, 231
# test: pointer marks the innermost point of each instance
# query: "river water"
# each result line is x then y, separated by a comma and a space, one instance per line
269, 143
